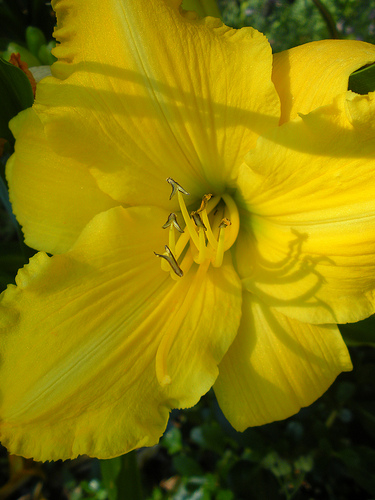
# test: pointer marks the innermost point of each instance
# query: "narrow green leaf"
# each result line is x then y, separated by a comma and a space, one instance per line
121, 477
110, 470
363, 80
16, 95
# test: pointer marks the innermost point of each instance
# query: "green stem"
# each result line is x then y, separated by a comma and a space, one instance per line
331, 418
327, 16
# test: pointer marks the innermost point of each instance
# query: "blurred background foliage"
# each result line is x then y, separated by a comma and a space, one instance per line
326, 452
288, 23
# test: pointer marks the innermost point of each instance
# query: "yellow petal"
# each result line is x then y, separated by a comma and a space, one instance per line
143, 93
276, 366
52, 198
308, 247
83, 332
311, 75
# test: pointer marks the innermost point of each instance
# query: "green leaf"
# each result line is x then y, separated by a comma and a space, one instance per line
363, 80
45, 55
278, 466
360, 463
209, 437
25, 54
366, 414
110, 470
224, 495
16, 95
304, 463
187, 466
172, 440
34, 39
361, 333
121, 477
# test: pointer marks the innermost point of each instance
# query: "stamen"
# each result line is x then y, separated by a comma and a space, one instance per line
171, 261
197, 219
220, 247
172, 221
181, 244
189, 225
210, 244
202, 247
204, 215
225, 223
202, 238
210, 235
206, 198
172, 224
176, 187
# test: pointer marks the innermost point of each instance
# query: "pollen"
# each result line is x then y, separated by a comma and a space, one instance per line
204, 235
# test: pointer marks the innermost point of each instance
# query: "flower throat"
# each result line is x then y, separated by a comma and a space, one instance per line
211, 230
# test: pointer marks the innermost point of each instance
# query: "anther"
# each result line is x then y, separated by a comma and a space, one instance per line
171, 261
172, 221
175, 187
197, 219
206, 198
225, 223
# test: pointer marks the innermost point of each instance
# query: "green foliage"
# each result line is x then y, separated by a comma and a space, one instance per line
17, 15
361, 333
17, 95
324, 452
288, 23
26, 27
121, 477
363, 80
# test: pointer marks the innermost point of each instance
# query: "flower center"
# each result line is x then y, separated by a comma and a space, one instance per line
208, 233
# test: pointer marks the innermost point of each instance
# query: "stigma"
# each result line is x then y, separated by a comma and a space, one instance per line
208, 232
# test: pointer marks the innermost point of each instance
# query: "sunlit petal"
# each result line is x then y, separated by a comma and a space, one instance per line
308, 247
276, 366
52, 197
142, 94
91, 338
313, 74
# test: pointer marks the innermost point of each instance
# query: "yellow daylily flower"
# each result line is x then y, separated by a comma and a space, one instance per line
101, 339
